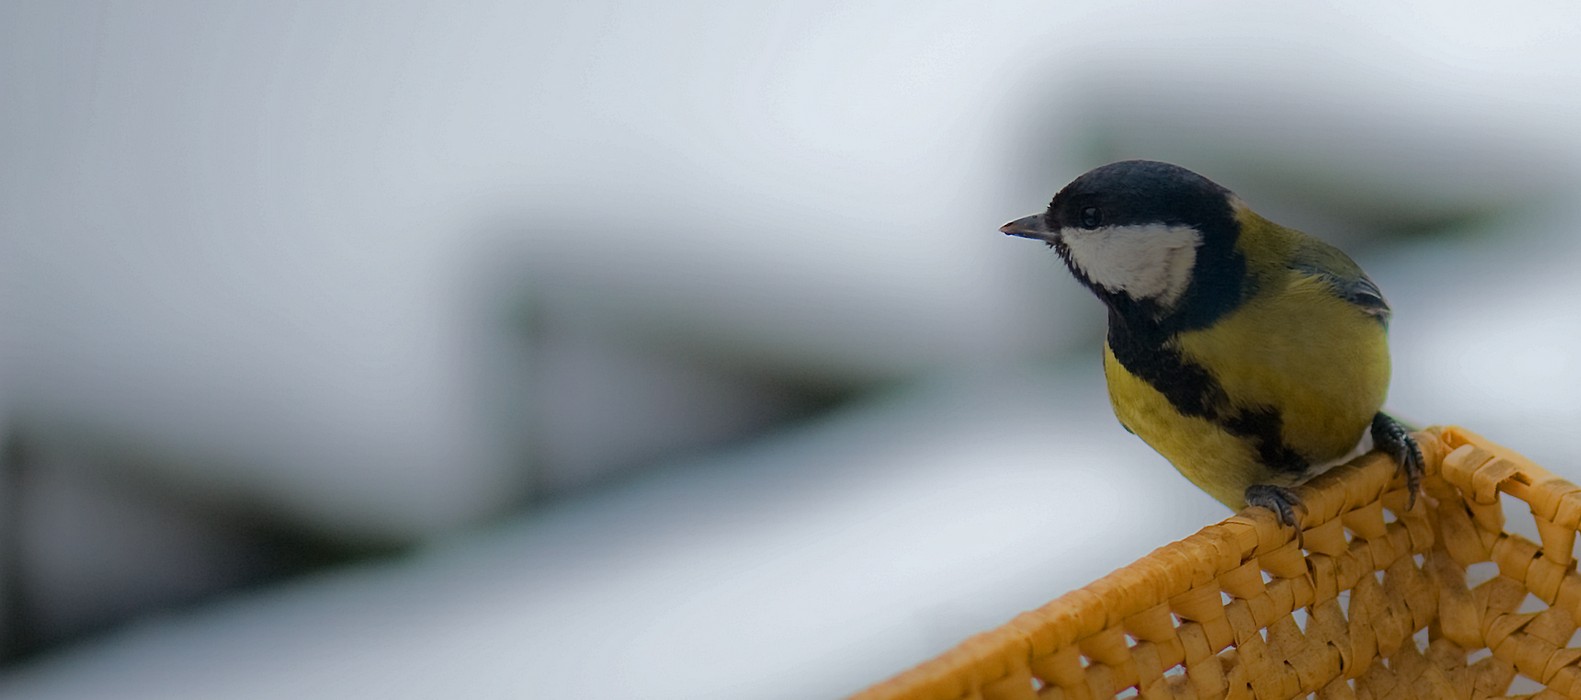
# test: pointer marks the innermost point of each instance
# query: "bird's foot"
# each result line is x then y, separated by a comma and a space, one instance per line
1282, 501
1395, 439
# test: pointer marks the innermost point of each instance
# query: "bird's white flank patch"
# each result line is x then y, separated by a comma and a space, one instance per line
1145, 262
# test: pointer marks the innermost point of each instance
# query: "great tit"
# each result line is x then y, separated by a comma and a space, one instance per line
1250, 355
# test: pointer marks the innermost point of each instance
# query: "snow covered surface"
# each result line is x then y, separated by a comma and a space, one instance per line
804, 566
812, 562
1486, 331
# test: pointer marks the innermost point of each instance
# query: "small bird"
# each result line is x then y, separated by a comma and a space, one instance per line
1250, 355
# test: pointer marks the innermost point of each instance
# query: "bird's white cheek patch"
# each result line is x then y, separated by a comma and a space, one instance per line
1145, 262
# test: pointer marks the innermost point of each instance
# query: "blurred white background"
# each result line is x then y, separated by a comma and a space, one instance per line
671, 350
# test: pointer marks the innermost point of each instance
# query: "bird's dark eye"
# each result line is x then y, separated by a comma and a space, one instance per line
1091, 218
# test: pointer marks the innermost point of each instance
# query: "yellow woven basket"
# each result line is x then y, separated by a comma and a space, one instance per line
1368, 600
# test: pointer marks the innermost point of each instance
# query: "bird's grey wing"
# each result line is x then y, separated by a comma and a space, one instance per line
1331, 264
1363, 292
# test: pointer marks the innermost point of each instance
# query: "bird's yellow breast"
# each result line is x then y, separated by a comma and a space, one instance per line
1319, 361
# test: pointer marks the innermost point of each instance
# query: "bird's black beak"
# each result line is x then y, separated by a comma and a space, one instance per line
1030, 227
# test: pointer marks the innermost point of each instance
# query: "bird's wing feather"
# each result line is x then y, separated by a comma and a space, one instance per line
1344, 276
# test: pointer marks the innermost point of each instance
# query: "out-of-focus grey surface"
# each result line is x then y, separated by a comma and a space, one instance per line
1485, 333
792, 568
328, 274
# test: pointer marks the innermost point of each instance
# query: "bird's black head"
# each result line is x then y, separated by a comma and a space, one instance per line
1138, 193
1152, 240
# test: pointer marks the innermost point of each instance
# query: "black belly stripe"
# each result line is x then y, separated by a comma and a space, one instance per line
1263, 426
1194, 391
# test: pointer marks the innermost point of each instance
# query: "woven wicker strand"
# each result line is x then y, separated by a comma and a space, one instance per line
1369, 600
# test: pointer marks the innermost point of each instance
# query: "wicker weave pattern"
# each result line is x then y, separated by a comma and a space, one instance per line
1368, 601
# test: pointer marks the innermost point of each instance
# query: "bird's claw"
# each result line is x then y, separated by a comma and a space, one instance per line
1280, 500
1394, 438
